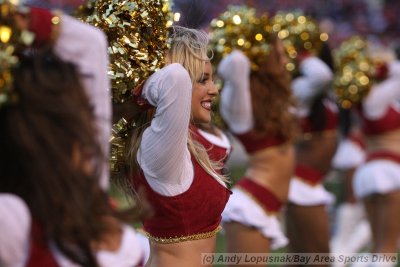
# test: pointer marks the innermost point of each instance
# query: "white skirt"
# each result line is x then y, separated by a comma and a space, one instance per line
377, 176
305, 194
243, 209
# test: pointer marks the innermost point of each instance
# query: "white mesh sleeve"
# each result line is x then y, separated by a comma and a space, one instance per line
86, 47
315, 77
235, 106
384, 94
15, 225
163, 155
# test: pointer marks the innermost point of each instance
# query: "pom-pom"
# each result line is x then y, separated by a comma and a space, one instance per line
354, 72
239, 28
137, 32
11, 38
300, 35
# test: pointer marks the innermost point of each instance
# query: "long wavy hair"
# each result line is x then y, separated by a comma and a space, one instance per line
50, 156
189, 47
272, 98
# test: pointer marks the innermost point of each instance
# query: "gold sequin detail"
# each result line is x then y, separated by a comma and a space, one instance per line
177, 239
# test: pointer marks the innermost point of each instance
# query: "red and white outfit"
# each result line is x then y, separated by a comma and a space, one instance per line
380, 114
306, 187
352, 231
187, 201
218, 147
251, 204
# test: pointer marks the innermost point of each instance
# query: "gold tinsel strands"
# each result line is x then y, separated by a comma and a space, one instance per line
10, 39
299, 34
239, 28
354, 71
120, 132
137, 32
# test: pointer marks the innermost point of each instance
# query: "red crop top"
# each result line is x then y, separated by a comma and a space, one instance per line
192, 215
331, 120
389, 122
253, 143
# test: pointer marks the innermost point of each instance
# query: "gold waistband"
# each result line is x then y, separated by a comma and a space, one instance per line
177, 239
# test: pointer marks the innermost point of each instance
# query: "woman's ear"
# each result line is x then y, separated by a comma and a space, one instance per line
81, 160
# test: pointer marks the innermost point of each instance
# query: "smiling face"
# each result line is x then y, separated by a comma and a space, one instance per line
204, 90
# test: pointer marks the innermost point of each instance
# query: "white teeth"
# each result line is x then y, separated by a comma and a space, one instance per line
206, 105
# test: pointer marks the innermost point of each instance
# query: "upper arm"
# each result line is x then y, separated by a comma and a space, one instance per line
163, 153
315, 78
86, 47
235, 105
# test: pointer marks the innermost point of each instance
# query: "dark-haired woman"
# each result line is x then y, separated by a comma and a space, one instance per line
256, 105
307, 219
51, 162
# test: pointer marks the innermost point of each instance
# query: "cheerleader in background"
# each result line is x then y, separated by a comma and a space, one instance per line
307, 218
377, 180
255, 105
64, 216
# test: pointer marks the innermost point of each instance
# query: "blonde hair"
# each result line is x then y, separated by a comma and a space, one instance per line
189, 47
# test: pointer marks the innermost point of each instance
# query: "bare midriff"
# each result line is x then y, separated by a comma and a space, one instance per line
272, 168
388, 141
319, 151
188, 253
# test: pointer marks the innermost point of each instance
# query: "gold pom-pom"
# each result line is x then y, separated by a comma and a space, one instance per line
137, 33
10, 38
299, 34
239, 28
355, 70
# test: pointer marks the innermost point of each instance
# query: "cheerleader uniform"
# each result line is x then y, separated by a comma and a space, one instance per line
218, 147
306, 187
187, 201
380, 114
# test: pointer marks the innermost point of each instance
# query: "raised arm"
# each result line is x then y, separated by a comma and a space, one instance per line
384, 94
235, 104
163, 155
86, 47
315, 77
